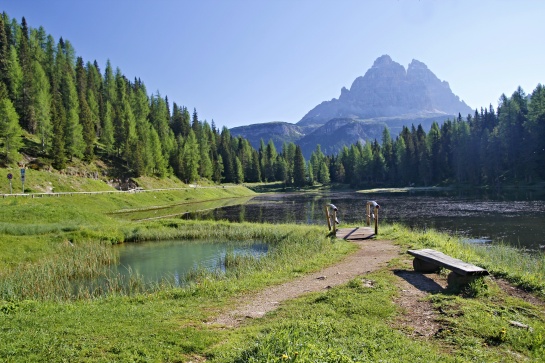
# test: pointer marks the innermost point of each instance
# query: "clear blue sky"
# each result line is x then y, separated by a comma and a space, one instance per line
249, 61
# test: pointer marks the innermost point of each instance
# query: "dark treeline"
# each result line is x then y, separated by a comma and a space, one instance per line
73, 110
487, 148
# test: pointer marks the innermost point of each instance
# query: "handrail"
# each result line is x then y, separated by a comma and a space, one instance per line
374, 214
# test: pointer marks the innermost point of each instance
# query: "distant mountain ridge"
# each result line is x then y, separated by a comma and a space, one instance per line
387, 95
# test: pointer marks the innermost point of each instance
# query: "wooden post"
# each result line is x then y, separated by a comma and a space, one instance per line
375, 214
327, 217
334, 220
376, 219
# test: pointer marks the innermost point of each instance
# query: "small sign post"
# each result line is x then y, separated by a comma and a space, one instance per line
23, 178
10, 176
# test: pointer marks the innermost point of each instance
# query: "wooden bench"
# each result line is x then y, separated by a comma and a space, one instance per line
428, 260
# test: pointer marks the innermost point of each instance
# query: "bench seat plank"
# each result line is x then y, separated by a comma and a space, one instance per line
453, 264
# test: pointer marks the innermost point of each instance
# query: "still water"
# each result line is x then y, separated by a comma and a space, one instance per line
515, 219
172, 260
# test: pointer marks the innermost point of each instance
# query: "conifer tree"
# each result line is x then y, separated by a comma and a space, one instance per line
239, 171
4, 55
205, 164
159, 165
107, 134
536, 129
323, 173
310, 174
10, 131
185, 122
26, 102
15, 76
85, 115
434, 146
94, 96
160, 119
190, 158
49, 59
227, 156
176, 120
299, 168
42, 105
270, 160
316, 159
281, 170
218, 169
195, 124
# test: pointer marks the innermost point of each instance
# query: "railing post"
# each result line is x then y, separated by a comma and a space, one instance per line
334, 220
331, 217
375, 213
327, 217
376, 219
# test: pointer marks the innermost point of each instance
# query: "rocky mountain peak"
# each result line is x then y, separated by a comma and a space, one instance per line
415, 64
388, 90
382, 61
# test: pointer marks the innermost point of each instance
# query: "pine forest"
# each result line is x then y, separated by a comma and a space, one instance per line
58, 108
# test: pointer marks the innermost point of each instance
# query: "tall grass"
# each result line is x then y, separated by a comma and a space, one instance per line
54, 277
82, 270
521, 267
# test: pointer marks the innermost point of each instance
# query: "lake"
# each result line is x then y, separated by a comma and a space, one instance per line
514, 218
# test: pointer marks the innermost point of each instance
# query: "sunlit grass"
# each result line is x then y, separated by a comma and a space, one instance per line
523, 268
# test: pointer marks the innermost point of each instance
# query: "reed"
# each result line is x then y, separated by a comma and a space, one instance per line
56, 277
81, 270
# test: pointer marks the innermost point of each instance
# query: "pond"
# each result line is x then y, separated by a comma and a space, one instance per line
172, 260
517, 219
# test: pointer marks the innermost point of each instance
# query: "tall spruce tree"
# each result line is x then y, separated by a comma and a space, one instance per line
26, 102
4, 55
299, 171
15, 76
85, 115
42, 105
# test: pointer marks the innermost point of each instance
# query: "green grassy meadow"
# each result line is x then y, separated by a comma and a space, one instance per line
47, 243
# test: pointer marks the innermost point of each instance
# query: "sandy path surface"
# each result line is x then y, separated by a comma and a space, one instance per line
372, 255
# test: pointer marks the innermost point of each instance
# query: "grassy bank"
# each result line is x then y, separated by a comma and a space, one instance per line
355, 322
48, 243
526, 270
31, 228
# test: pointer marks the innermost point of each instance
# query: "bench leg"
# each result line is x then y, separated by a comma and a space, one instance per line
424, 266
456, 280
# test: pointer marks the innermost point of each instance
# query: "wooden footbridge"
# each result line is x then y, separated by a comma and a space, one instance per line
353, 233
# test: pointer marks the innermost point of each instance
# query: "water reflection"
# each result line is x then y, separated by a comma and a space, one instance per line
516, 218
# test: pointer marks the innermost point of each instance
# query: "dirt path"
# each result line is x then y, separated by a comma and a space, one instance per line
372, 255
418, 318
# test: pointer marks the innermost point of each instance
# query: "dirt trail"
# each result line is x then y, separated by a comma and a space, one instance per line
418, 317
372, 255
